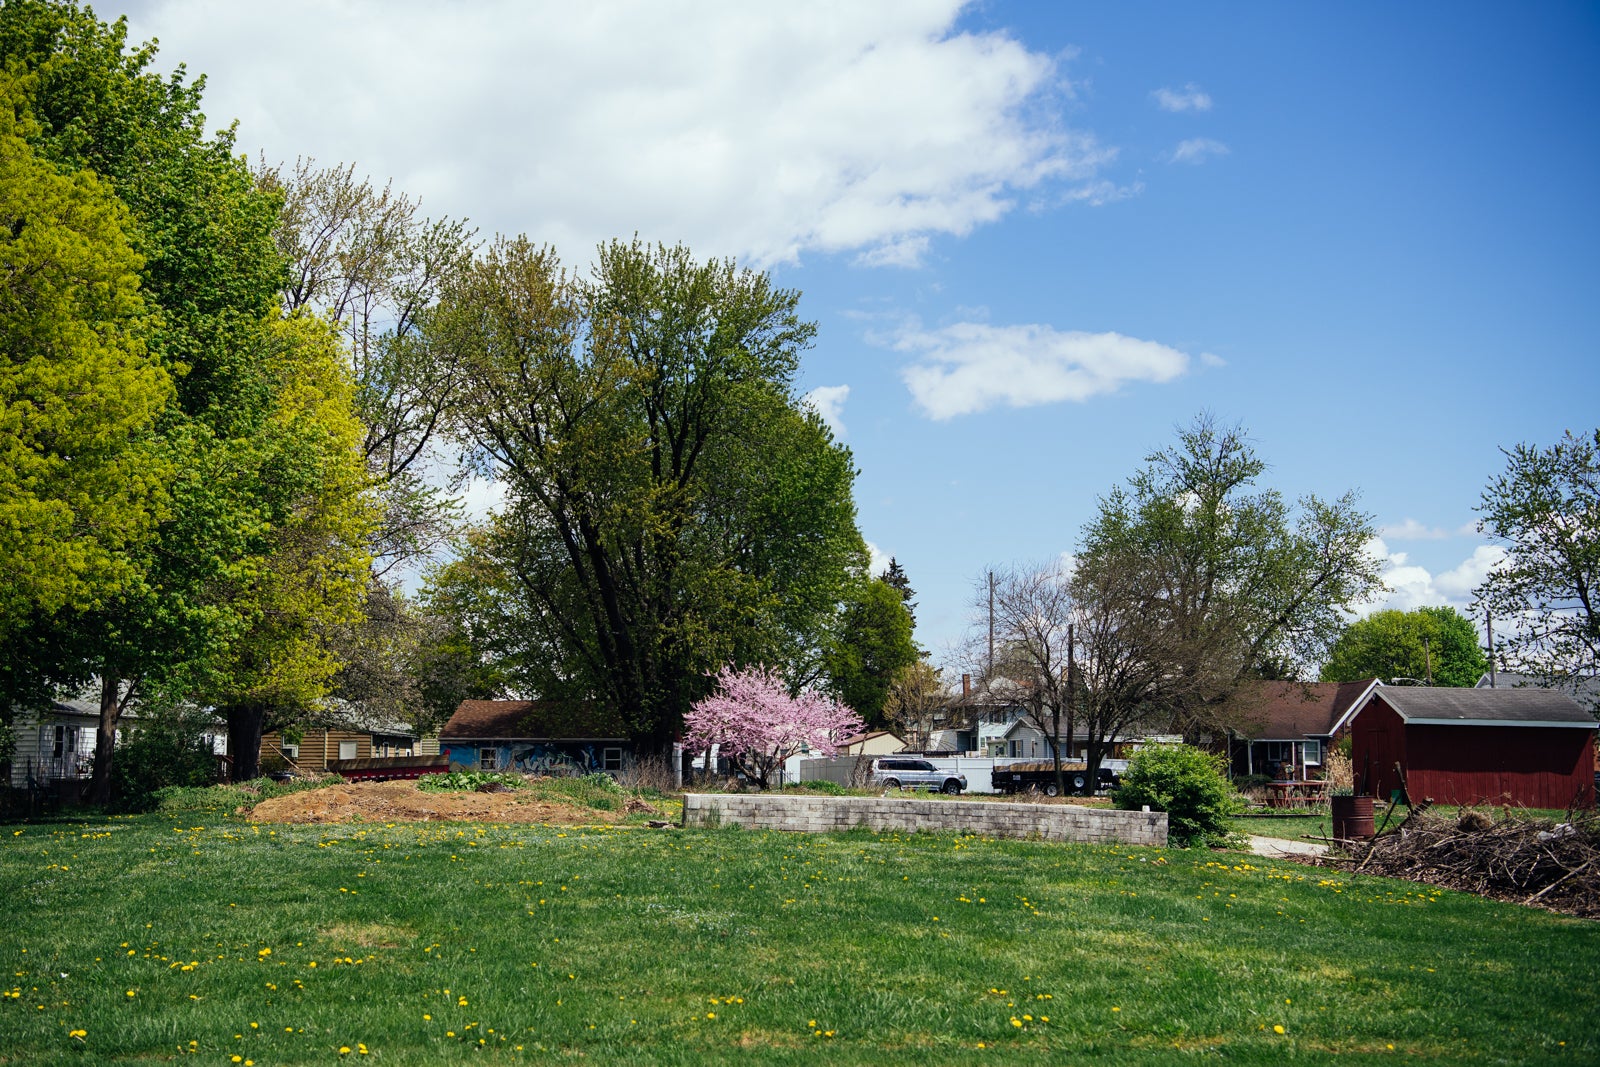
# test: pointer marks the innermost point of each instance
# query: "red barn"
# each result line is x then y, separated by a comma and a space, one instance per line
1530, 747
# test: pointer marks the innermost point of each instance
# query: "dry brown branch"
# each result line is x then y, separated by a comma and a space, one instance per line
1512, 857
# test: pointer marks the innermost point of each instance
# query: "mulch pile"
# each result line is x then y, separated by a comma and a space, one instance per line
1529, 861
404, 802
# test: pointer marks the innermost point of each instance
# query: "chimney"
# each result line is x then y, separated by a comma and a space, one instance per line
966, 685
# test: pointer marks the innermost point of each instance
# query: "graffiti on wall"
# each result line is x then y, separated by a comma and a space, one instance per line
530, 757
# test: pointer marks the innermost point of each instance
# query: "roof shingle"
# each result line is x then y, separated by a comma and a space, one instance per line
532, 720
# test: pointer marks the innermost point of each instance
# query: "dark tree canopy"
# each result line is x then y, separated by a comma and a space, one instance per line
670, 507
1243, 583
1436, 643
894, 575
873, 646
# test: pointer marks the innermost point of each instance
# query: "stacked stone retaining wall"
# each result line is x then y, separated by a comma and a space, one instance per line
1047, 822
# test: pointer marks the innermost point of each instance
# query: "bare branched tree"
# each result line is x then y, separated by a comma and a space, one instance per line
371, 261
1033, 616
918, 703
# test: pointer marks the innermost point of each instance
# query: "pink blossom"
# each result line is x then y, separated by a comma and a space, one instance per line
759, 725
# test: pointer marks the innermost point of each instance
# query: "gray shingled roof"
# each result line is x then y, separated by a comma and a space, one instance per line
1478, 706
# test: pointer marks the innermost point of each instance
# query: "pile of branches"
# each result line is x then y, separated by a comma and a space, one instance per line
1509, 856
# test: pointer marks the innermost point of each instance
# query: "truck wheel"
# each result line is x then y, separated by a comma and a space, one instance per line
1078, 782
1052, 790
952, 787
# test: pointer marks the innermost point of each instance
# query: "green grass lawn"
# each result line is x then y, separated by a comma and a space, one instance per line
194, 936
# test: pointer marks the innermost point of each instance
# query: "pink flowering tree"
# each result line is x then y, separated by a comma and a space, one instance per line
759, 725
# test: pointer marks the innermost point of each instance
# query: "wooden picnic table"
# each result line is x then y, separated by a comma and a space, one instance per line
1294, 794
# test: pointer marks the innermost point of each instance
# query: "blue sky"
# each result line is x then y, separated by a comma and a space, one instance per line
1036, 237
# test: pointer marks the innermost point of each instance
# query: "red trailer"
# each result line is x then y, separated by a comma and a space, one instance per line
389, 768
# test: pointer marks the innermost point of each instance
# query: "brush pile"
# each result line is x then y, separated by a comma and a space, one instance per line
1512, 857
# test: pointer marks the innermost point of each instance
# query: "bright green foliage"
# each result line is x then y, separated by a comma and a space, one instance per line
80, 483
874, 645
468, 781
1187, 784
1390, 644
199, 220
1545, 595
670, 507
1241, 584
310, 563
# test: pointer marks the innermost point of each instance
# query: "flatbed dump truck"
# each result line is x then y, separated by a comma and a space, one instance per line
1022, 776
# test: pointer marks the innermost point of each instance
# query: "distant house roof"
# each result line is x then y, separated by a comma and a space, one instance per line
1584, 689
862, 738
1288, 711
1421, 705
531, 720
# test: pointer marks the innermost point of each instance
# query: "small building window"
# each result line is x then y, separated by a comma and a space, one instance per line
611, 759
348, 749
292, 751
1313, 754
488, 759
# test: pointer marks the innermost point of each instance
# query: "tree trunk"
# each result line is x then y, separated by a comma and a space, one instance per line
244, 740
105, 738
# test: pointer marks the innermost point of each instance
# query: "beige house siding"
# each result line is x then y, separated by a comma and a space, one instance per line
318, 748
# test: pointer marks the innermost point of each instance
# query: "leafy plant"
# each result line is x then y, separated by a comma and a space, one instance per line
1188, 785
166, 749
468, 781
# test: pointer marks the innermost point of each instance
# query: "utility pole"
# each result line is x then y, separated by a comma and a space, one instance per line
1489, 621
989, 671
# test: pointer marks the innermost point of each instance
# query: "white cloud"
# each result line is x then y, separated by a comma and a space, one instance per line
756, 130
1198, 150
828, 402
1189, 98
970, 367
1412, 530
878, 560
1414, 586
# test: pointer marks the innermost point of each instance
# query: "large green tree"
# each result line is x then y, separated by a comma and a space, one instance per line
1243, 583
1545, 595
309, 563
241, 529
81, 485
874, 644
1437, 645
670, 506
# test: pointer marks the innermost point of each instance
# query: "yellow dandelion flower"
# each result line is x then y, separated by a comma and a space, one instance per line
1277, 1028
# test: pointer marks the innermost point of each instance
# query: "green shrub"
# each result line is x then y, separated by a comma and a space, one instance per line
468, 781
832, 789
166, 749
1187, 784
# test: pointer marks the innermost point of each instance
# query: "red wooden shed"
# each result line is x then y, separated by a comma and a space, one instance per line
1530, 747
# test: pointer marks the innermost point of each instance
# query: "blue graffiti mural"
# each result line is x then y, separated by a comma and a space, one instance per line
529, 757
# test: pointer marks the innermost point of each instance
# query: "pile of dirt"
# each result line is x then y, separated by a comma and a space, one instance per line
404, 802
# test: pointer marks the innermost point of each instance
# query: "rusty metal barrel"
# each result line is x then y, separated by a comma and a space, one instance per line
1352, 818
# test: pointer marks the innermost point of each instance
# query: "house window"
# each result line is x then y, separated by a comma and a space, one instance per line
1313, 753
292, 751
488, 759
611, 759
347, 750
